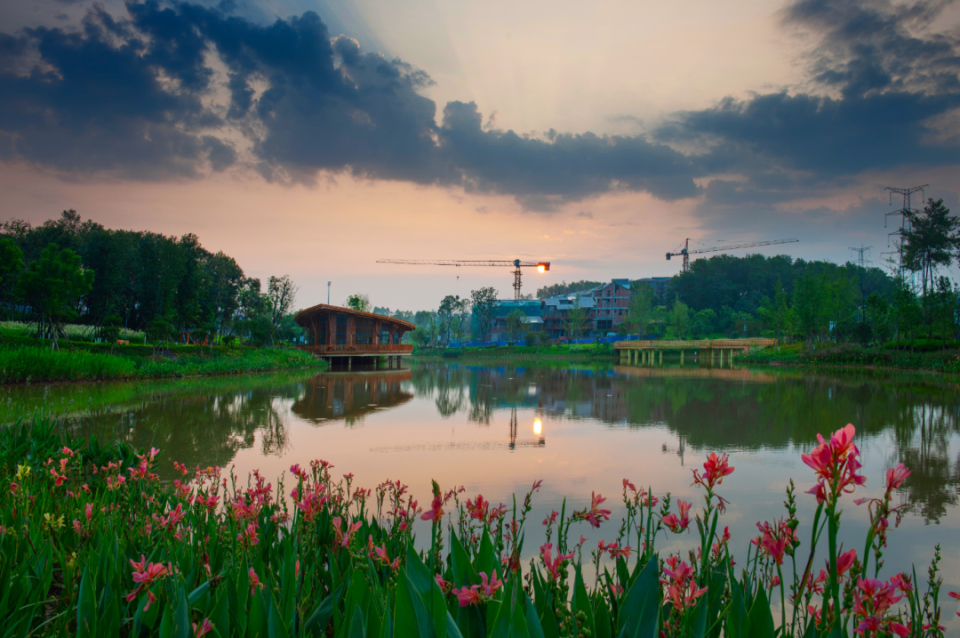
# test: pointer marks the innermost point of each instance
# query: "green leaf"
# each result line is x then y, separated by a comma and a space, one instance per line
551, 629
533, 621
198, 593
698, 623
738, 623
181, 615
463, 571
581, 601
640, 613
255, 619
486, 559
761, 618
357, 628
87, 606
220, 617
602, 619
276, 628
320, 618
412, 617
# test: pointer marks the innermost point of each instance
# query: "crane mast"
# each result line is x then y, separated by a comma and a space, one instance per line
685, 252
516, 264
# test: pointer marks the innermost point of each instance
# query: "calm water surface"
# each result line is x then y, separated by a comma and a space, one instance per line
497, 429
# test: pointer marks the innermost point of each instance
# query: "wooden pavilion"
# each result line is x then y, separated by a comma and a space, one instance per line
338, 333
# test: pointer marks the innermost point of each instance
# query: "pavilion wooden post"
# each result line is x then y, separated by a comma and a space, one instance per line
351, 330
332, 330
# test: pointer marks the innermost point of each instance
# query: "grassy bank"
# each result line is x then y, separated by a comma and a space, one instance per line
566, 351
922, 357
31, 363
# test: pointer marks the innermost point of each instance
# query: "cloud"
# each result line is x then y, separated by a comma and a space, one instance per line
178, 90
585, 213
876, 95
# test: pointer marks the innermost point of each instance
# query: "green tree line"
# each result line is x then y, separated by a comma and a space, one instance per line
69, 270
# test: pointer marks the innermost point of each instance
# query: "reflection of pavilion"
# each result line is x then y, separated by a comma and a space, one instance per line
512, 445
730, 374
351, 395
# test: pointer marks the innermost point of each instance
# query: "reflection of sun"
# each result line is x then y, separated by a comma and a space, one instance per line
537, 427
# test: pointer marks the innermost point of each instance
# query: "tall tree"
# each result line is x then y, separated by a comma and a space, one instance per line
281, 293
642, 302
53, 285
680, 318
484, 301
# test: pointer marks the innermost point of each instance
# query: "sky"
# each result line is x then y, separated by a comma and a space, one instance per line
314, 137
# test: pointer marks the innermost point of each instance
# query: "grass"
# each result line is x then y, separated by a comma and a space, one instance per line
73, 331
893, 356
30, 363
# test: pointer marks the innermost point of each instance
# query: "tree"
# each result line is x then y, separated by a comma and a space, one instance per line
929, 243
515, 323
445, 316
563, 288
642, 302
358, 302
777, 312
52, 285
11, 259
281, 294
680, 318
577, 320
158, 330
484, 301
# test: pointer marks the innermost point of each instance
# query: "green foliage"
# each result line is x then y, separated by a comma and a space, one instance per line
140, 277
483, 302
563, 288
359, 302
52, 285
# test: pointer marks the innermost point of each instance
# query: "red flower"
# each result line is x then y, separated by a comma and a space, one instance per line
675, 523
714, 469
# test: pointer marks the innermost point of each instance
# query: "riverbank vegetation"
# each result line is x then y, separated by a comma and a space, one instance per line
94, 544
32, 363
934, 356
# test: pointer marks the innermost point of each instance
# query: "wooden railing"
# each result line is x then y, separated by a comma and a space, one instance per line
359, 348
679, 344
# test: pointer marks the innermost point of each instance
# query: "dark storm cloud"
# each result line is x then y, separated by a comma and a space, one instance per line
876, 91
133, 97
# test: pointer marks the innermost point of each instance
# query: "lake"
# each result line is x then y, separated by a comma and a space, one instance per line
495, 429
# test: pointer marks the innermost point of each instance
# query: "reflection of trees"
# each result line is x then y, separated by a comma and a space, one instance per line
749, 411
922, 445
202, 429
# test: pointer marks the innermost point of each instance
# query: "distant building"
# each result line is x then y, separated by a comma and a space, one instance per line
606, 307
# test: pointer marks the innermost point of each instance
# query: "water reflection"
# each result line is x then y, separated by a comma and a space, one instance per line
351, 396
459, 408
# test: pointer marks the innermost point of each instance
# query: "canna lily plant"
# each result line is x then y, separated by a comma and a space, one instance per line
93, 543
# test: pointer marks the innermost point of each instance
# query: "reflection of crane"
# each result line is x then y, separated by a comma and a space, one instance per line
686, 252
516, 264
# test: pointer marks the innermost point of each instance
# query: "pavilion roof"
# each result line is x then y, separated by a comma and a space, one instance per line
322, 309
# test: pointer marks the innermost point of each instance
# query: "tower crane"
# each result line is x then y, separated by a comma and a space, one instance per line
686, 252
516, 264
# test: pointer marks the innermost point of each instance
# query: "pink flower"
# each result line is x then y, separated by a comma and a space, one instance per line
552, 564
836, 464
444, 585
594, 515
344, 536
845, 561
491, 587
205, 627
254, 581
479, 509
897, 475
714, 469
468, 596
681, 583
676, 523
